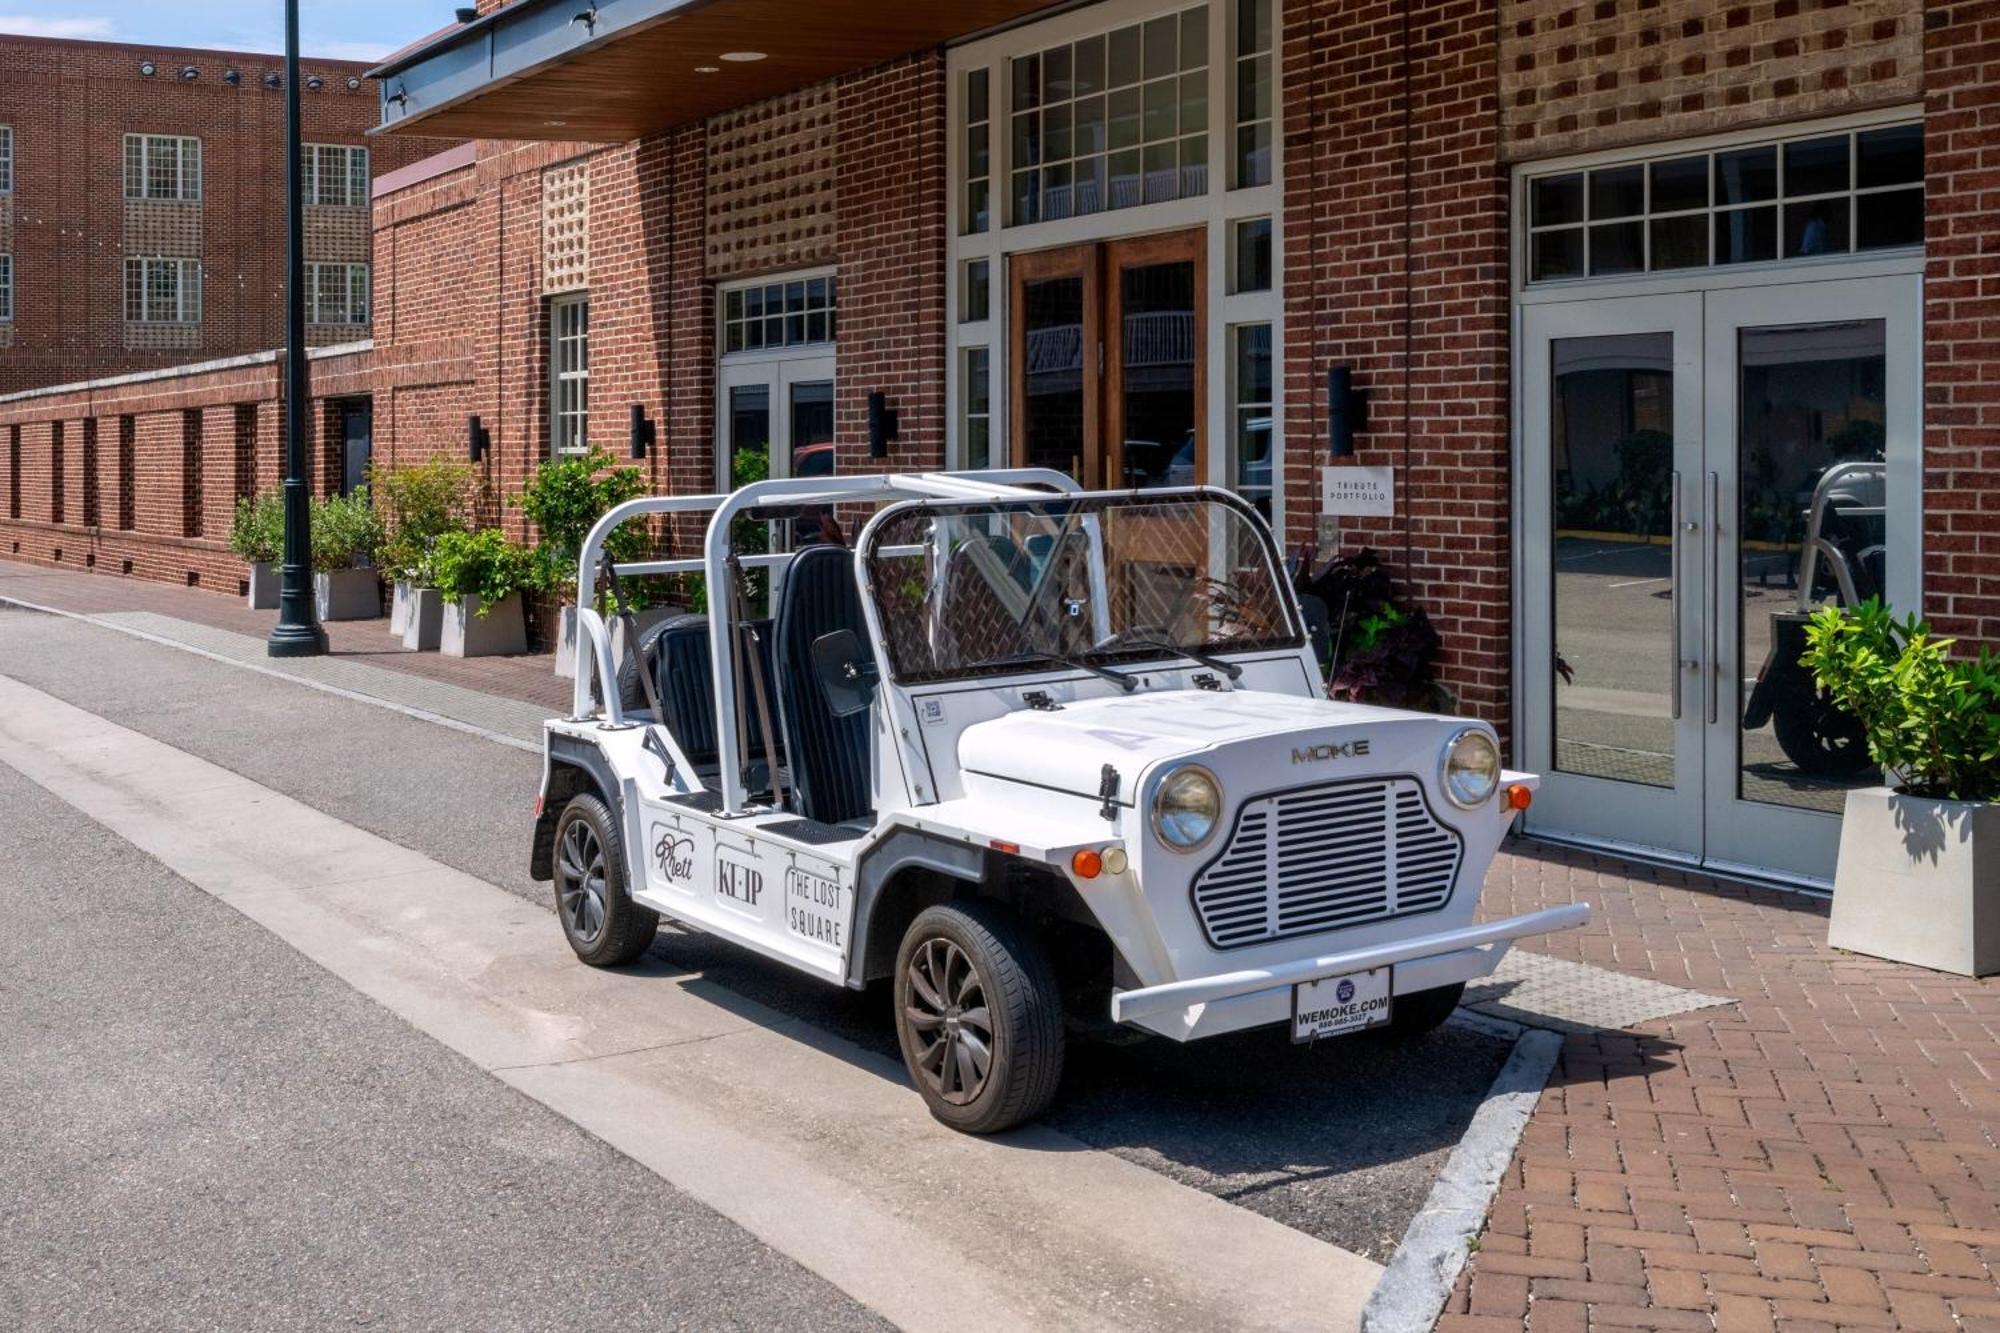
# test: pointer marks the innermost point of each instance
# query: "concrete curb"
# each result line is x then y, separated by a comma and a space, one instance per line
1420, 1275
407, 710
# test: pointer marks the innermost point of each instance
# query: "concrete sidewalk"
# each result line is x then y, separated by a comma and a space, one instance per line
1820, 1154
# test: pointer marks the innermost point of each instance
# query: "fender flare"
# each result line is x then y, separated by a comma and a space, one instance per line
568, 755
901, 850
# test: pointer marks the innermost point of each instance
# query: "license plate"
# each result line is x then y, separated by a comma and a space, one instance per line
1333, 1005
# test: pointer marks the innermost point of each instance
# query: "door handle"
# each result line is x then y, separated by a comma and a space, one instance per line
1711, 634
1674, 586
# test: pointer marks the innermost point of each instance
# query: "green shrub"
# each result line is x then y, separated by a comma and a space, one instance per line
481, 564
1931, 720
345, 531
257, 533
563, 499
419, 504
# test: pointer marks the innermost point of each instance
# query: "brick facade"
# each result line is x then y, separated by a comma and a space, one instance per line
70, 228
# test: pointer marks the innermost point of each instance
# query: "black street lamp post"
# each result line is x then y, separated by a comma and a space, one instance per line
298, 632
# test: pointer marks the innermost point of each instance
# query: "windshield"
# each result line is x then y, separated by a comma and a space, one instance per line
989, 588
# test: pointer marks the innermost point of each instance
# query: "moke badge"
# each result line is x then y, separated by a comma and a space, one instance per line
1313, 754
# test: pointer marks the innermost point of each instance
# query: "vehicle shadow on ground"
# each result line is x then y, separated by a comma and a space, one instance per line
1341, 1140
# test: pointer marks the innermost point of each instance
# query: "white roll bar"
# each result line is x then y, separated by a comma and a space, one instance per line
594, 640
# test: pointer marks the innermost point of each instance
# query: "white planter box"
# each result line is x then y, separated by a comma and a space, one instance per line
566, 643
264, 585
465, 633
423, 619
399, 606
348, 594
1919, 882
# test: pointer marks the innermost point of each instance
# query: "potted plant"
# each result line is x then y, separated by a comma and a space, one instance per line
419, 504
257, 535
1373, 646
563, 499
1918, 878
345, 535
480, 576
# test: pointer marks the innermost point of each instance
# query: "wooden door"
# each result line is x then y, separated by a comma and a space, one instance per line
1055, 329
1155, 370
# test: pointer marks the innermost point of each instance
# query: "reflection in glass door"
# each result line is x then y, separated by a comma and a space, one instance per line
1057, 358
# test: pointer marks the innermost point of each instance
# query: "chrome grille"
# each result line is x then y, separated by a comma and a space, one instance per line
1321, 858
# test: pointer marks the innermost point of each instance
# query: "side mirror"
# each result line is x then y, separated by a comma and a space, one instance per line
846, 672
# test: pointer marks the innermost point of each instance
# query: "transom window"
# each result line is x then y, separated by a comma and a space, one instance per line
569, 374
1110, 121
336, 174
796, 313
337, 293
163, 291
6, 159
6, 288
1803, 198
162, 166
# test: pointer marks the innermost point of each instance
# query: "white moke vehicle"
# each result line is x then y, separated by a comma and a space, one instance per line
1045, 758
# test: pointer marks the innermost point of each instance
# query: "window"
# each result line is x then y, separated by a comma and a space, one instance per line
6, 159
1110, 121
163, 291
1804, 198
975, 298
336, 293
6, 288
336, 175
161, 166
1250, 255
795, 313
975, 420
978, 152
1253, 94
569, 374
1250, 413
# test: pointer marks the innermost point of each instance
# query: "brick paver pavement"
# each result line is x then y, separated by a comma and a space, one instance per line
1819, 1156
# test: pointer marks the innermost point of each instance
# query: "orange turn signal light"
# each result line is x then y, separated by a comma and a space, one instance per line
1520, 796
1087, 864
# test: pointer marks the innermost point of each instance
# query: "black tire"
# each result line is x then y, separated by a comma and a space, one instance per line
603, 925
1414, 1015
968, 945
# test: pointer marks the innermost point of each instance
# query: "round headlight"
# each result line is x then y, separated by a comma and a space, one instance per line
1471, 768
1187, 808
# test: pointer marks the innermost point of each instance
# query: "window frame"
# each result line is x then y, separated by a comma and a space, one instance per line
6, 159
1217, 212
562, 375
6, 287
354, 188
778, 369
187, 290
764, 283
317, 273
147, 145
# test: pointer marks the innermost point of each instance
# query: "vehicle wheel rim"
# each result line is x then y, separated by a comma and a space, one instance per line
580, 891
946, 1011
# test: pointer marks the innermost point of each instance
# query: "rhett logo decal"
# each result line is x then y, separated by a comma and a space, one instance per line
1313, 754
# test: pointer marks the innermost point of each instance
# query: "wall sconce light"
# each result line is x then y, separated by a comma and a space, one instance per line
148, 69
477, 438
190, 73
883, 424
644, 433
273, 80
232, 76
354, 83
1346, 411
315, 83
465, 13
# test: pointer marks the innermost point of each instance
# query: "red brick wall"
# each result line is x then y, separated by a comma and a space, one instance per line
164, 495
71, 104
1962, 321
1395, 265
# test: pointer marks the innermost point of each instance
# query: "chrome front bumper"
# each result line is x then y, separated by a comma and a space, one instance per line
1183, 1009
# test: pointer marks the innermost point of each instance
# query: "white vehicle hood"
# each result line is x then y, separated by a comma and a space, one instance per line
1067, 749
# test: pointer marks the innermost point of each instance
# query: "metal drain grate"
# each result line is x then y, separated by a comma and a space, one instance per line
1538, 991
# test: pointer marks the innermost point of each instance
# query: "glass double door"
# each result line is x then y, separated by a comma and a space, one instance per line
1110, 376
777, 421
1700, 471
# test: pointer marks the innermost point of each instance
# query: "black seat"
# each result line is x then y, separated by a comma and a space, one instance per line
684, 671
828, 754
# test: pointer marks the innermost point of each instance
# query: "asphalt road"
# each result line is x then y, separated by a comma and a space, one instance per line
1341, 1142
200, 1129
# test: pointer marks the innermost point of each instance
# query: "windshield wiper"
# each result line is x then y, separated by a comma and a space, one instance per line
1213, 663
1118, 678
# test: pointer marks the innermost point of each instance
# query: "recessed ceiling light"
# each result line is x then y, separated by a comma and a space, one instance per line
708, 69
557, 123
743, 57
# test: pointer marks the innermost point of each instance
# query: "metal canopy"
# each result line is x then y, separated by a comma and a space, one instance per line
611, 70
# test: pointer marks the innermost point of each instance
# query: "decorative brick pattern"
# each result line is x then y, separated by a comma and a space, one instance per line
566, 227
771, 184
1616, 72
